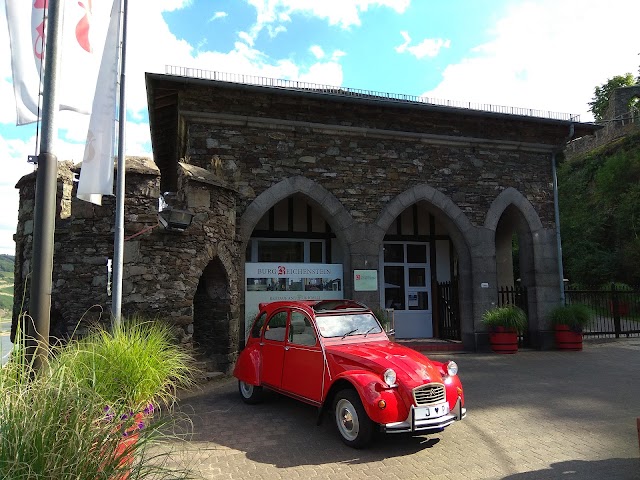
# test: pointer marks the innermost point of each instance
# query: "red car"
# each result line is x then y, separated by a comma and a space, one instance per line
334, 354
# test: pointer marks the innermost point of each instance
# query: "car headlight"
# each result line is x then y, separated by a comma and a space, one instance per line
452, 368
389, 377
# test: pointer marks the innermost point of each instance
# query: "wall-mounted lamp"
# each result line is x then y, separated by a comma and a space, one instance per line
175, 220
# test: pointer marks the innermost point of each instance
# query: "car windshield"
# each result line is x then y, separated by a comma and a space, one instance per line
347, 324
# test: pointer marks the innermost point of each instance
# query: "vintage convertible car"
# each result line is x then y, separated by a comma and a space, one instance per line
335, 355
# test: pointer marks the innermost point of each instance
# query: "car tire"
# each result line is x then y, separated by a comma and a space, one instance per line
353, 424
250, 394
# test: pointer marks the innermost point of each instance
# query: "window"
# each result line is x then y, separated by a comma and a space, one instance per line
286, 250
277, 327
257, 326
301, 331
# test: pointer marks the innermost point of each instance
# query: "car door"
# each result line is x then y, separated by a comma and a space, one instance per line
303, 368
272, 347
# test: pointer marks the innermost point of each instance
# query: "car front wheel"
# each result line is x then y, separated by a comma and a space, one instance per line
353, 423
250, 393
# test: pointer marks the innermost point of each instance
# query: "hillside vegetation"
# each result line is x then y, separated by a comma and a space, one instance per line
600, 214
6, 291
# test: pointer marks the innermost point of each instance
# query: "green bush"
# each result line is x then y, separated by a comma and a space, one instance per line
576, 316
382, 316
509, 317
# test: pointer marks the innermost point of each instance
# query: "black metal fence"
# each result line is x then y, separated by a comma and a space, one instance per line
449, 311
616, 311
516, 296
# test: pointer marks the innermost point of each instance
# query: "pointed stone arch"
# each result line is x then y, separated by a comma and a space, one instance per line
512, 213
334, 212
511, 196
463, 233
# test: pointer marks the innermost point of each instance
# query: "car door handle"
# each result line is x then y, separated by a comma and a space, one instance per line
286, 348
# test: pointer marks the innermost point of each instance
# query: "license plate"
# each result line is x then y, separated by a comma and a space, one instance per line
432, 411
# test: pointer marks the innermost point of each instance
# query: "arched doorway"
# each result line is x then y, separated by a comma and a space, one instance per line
212, 316
417, 255
515, 266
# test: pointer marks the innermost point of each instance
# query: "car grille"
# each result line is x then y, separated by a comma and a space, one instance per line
429, 394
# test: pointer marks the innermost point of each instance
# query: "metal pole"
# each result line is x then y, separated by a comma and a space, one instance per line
118, 245
556, 210
45, 198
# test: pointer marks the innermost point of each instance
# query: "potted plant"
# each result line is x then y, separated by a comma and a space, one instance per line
63, 420
386, 321
568, 322
505, 324
133, 368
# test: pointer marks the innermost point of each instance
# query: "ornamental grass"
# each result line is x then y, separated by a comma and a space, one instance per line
509, 317
63, 423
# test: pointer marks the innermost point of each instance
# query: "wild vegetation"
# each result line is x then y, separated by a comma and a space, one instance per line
600, 214
6, 285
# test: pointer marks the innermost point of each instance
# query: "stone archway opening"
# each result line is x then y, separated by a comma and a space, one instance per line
420, 274
212, 316
291, 235
515, 270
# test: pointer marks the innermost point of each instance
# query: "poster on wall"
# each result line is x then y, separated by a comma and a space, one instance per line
268, 282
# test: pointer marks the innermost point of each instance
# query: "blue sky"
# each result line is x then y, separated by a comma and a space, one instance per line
543, 54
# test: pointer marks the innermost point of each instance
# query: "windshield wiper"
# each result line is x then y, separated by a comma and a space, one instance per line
369, 331
349, 333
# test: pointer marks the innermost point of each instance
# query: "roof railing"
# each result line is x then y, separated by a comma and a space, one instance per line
360, 93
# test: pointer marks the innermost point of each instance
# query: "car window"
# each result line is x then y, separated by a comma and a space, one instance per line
277, 327
301, 331
347, 324
257, 326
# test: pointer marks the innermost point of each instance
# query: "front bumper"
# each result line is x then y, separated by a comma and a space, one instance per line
429, 425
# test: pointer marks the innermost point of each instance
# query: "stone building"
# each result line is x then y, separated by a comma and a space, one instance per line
309, 192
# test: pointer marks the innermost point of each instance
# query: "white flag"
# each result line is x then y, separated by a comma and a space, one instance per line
83, 31
96, 173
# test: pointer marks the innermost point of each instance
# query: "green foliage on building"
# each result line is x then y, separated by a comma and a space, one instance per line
600, 214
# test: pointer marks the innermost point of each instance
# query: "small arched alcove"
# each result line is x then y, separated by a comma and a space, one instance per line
212, 315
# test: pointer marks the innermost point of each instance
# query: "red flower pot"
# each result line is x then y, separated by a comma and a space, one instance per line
125, 449
503, 340
567, 339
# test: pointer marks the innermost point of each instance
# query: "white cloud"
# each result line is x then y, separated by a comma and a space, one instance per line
429, 47
218, 15
14, 165
146, 52
317, 51
547, 55
344, 13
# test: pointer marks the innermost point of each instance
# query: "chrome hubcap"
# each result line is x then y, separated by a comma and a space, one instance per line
246, 389
347, 419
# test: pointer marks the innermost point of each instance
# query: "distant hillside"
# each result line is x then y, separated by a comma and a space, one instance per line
6, 285
600, 214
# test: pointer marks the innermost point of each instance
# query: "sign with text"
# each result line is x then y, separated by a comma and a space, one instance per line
269, 282
365, 280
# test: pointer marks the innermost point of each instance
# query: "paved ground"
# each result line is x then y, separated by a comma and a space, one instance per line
533, 415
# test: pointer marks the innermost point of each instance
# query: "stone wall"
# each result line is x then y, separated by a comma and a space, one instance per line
161, 268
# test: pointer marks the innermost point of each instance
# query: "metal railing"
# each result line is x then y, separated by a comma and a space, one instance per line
448, 311
616, 312
360, 93
516, 295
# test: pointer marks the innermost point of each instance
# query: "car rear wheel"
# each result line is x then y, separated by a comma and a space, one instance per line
250, 394
353, 423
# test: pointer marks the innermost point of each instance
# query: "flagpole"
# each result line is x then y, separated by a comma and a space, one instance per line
118, 246
45, 198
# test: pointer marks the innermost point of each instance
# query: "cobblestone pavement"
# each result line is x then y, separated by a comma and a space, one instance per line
533, 415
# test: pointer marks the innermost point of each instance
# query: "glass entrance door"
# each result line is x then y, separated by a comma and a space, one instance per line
406, 288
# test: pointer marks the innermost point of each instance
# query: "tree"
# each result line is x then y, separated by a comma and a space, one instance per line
600, 102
